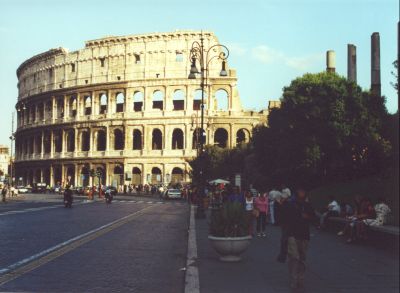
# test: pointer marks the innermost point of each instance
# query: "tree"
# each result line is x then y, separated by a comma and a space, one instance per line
327, 128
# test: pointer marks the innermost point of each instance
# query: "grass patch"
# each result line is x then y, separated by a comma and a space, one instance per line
372, 187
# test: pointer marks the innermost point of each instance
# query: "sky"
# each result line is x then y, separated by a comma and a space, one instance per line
271, 41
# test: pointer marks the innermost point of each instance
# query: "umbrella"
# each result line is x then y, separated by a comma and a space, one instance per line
219, 181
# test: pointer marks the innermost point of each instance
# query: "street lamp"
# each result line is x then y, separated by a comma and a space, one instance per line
12, 138
204, 56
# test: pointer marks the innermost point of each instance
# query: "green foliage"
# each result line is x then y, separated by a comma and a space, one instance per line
327, 128
230, 221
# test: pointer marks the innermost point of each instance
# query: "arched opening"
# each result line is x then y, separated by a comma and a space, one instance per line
221, 137
41, 112
71, 140
120, 100
46, 176
138, 101
85, 141
60, 108
179, 100
72, 107
118, 139
47, 143
103, 104
88, 105
70, 179
221, 100
158, 100
242, 136
197, 99
101, 179
177, 175
85, 175
156, 140
38, 143
177, 139
137, 139
136, 176
58, 141
101, 140
197, 137
57, 175
118, 176
38, 176
156, 177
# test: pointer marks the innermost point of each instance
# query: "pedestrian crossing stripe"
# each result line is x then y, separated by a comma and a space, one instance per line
148, 202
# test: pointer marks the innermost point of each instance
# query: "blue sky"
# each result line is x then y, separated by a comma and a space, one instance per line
271, 41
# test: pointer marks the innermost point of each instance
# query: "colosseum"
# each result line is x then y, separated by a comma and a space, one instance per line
123, 106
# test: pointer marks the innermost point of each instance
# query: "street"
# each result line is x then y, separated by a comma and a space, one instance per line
93, 247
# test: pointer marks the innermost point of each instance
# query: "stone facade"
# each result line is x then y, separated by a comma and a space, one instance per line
4, 159
125, 106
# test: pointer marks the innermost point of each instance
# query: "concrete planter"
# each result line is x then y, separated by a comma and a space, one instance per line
230, 248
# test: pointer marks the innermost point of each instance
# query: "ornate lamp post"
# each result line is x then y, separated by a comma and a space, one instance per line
203, 56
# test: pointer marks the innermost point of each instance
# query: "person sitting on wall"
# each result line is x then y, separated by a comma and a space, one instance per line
332, 210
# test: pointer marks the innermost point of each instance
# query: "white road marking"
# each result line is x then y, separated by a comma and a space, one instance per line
192, 283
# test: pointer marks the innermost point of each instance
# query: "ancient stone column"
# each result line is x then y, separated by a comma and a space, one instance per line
375, 65
330, 61
351, 63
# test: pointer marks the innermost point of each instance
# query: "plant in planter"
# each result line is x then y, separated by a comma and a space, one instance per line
229, 231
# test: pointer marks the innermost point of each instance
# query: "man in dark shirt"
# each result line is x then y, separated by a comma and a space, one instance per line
299, 216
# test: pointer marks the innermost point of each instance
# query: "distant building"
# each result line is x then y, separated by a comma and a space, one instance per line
273, 104
4, 159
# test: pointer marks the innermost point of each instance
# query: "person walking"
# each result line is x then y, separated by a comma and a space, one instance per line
300, 215
282, 203
249, 207
261, 205
272, 195
4, 193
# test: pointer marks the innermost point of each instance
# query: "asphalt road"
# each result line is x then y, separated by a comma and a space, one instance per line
133, 245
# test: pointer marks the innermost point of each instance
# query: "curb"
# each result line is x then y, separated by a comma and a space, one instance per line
192, 283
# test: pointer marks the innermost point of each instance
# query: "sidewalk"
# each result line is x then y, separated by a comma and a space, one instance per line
333, 266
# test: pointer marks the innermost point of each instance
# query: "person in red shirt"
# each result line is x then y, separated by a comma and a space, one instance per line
261, 204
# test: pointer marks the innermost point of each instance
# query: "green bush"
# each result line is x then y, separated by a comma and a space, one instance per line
230, 221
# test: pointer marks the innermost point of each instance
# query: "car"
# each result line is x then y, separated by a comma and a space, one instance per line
173, 194
39, 187
22, 189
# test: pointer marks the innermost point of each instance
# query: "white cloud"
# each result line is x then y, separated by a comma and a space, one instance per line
237, 49
269, 55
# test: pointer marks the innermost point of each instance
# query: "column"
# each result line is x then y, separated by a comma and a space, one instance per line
66, 108
127, 138
90, 141
231, 135
107, 138
188, 98
51, 144
53, 108
76, 175
51, 175
92, 94
62, 175
77, 147
168, 99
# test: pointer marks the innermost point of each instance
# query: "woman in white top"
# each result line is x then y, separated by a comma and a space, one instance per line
249, 207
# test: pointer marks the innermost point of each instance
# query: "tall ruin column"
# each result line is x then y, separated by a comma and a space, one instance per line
375, 64
330, 61
351, 63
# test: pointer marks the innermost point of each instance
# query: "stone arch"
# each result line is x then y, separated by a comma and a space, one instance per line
38, 144
156, 139
59, 107
101, 140
85, 175
72, 106
85, 141
88, 105
221, 137
137, 140
177, 175
156, 175
138, 101
58, 141
103, 103
221, 100
118, 139
119, 102
197, 99
102, 179
70, 140
46, 176
177, 139
57, 175
196, 139
37, 176
242, 136
47, 143
178, 100
136, 176
70, 172
118, 175
158, 100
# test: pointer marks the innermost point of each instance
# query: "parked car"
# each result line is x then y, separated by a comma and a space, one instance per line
22, 189
173, 194
39, 187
